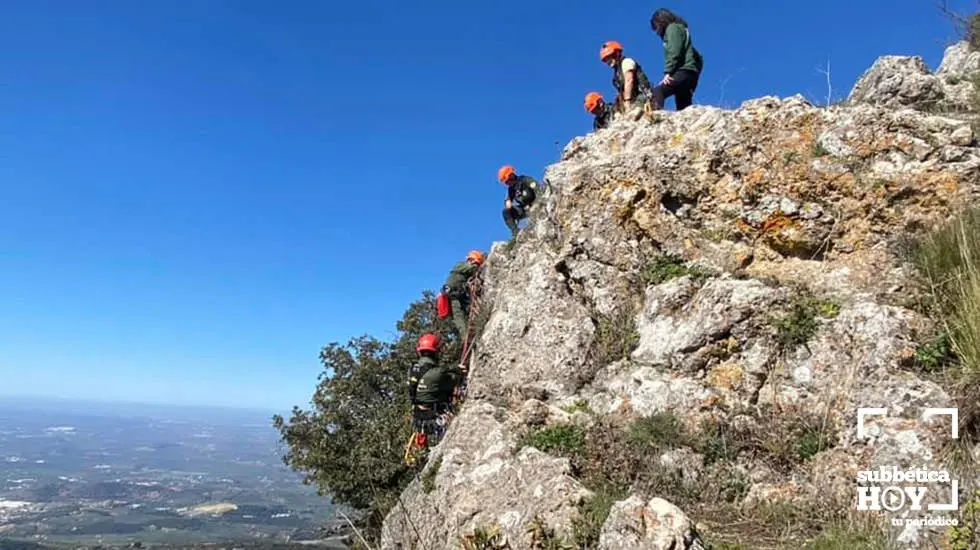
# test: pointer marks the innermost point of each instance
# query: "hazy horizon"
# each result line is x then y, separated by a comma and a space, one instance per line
96, 405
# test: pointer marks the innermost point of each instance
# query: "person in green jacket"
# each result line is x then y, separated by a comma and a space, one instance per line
430, 388
683, 63
457, 289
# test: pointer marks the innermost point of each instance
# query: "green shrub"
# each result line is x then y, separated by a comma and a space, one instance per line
429, 476
615, 337
850, 537
798, 326
592, 515
819, 150
580, 405
792, 439
949, 263
966, 535
665, 267
660, 431
716, 442
561, 439
935, 354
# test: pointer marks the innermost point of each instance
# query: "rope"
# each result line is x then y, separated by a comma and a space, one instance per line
469, 337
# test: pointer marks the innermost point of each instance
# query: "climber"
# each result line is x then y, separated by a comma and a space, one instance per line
682, 62
430, 387
596, 105
632, 85
457, 289
521, 192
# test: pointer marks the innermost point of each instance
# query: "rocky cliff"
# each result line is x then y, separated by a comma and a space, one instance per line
737, 272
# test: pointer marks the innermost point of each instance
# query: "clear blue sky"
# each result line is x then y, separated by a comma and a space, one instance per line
198, 194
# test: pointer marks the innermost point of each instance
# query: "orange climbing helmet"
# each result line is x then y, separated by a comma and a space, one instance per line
610, 49
505, 173
428, 342
475, 256
592, 101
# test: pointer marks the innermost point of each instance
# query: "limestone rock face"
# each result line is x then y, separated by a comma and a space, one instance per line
762, 208
655, 525
896, 81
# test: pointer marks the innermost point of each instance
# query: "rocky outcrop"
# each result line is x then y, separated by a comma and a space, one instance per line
895, 81
760, 213
655, 525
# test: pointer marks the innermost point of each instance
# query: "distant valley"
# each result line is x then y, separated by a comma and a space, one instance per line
84, 475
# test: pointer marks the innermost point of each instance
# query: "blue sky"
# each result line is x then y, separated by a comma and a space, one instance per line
198, 195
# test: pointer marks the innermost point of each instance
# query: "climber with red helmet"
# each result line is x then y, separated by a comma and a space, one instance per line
430, 388
597, 106
521, 192
457, 288
632, 85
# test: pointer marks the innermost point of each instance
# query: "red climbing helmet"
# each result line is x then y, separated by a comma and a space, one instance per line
505, 173
610, 49
475, 256
428, 342
593, 100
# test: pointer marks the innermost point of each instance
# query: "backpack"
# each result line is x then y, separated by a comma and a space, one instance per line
443, 308
415, 373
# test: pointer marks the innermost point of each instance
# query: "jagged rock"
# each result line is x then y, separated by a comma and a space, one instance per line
482, 482
634, 524
774, 195
959, 60
897, 81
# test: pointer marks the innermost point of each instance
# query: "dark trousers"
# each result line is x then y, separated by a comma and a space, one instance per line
514, 214
685, 82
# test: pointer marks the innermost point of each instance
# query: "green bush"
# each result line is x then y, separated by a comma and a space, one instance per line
660, 431
966, 535
561, 439
580, 405
587, 525
850, 537
935, 354
615, 338
819, 150
949, 263
798, 326
665, 267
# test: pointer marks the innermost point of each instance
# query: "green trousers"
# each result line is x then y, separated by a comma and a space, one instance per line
460, 315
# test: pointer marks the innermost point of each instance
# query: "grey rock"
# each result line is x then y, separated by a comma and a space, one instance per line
635, 524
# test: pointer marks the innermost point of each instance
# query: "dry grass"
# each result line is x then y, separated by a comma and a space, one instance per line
949, 262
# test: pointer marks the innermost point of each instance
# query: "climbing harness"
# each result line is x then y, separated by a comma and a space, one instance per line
426, 431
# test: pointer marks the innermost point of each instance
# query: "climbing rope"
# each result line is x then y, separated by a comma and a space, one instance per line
476, 288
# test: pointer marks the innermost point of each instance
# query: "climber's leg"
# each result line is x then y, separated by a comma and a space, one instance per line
460, 315
510, 220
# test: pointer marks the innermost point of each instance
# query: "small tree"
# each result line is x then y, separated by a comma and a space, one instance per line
350, 443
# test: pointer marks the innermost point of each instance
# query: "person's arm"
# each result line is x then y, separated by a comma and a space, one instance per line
628, 66
629, 78
674, 39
